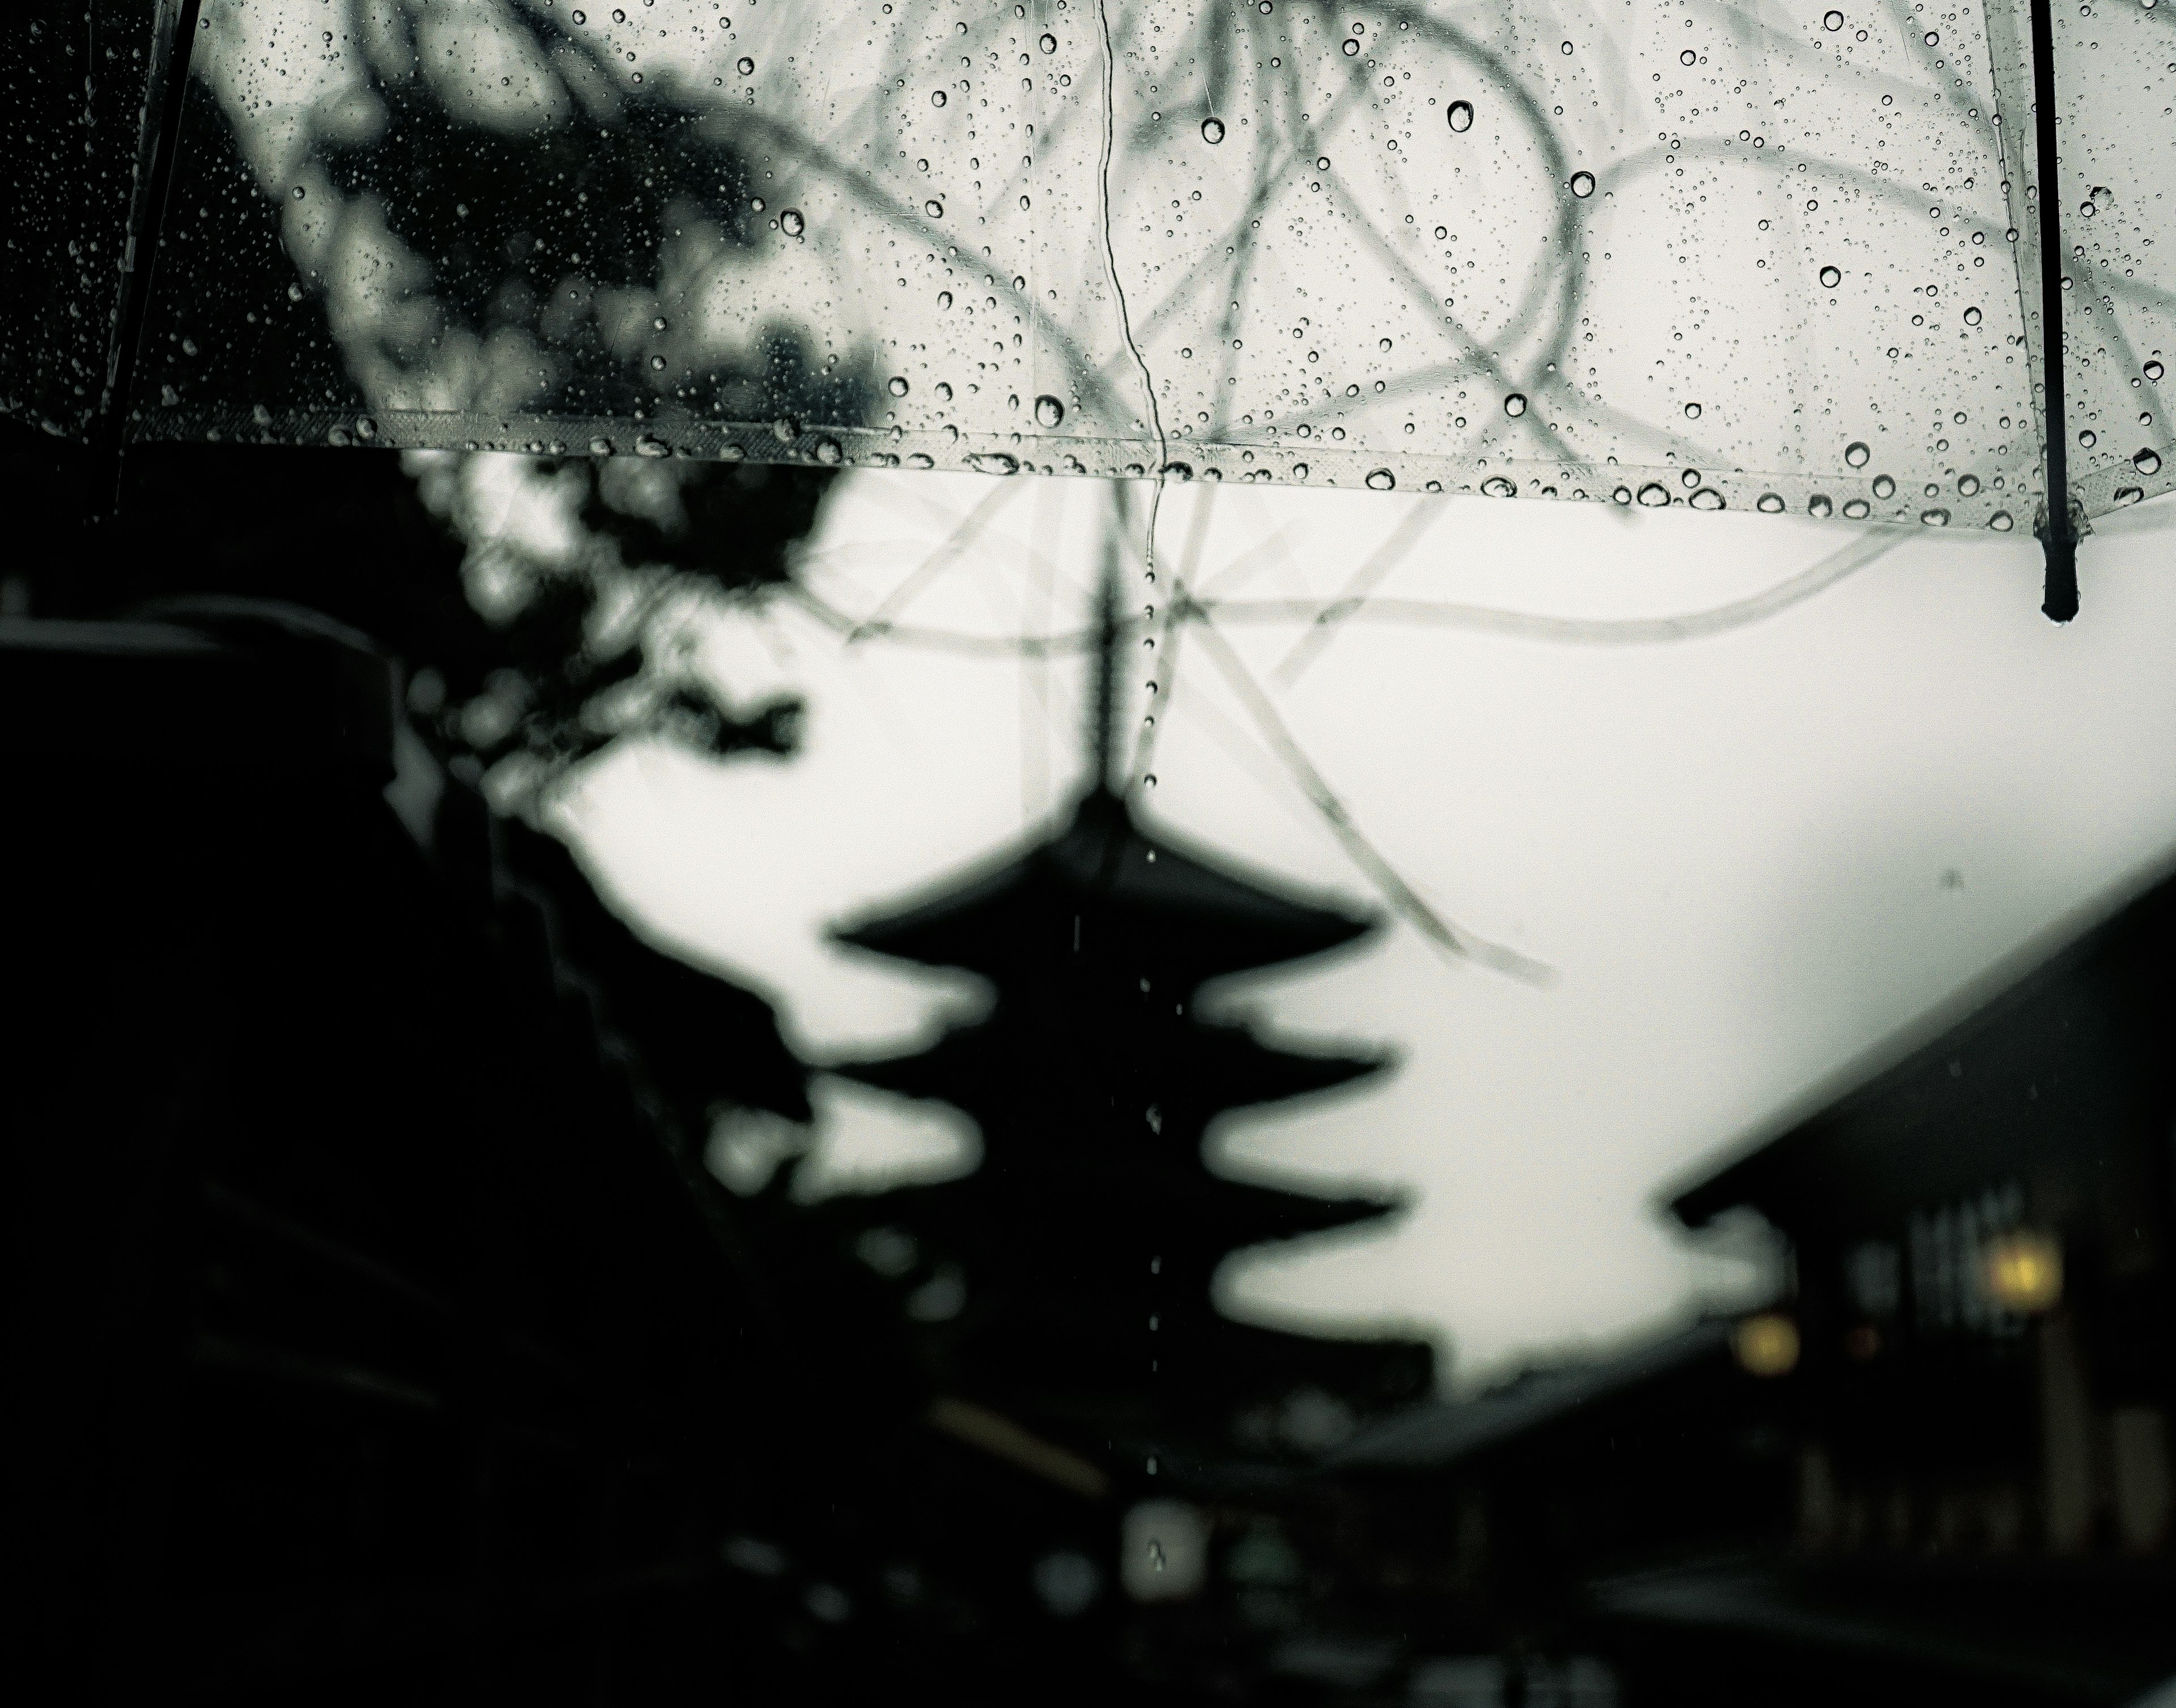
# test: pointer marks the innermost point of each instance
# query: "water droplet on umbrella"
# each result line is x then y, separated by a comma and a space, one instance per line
339, 436
1212, 130
2000, 522
1299, 471
294, 293
601, 447
1049, 43
2153, 370
365, 428
1691, 412
299, 192
944, 392
1689, 57
1768, 503
649, 445
581, 18
994, 462
1381, 479
1351, 47
1654, 495
1968, 485
1855, 454
896, 385
1496, 486
1707, 498
1515, 404
2147, 462
1833, 21
1858, 509
1830, 278
1462, 115
1582, 185
619, 16
2128, 495
658, 324
786, 429
745, 67
933, 208
1935, 517
937, 97
829, 452
791, 222
944, 299
1820, 505
1883, 487
1048, 411
658, 363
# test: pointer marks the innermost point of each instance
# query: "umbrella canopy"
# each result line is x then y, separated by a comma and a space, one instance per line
1781, 256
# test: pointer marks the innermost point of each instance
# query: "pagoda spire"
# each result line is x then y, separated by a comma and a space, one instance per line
1103, 711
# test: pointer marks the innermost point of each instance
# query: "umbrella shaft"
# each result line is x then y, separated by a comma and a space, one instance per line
2057, 534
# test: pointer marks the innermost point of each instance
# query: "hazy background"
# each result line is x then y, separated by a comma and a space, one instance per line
1747, 858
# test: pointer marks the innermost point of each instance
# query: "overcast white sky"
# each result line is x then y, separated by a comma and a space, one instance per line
1748, 858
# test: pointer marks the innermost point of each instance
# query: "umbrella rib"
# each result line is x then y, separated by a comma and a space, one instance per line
1771, 601
1846, 561
919, 577
1389, 882
1385, 558
141, 254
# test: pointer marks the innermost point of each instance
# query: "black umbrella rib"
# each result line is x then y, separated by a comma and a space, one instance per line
142, 258
2057, 535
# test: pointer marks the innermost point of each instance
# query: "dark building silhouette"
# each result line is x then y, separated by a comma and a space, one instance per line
1936, 1467
1983, 1241
373, 1331
1488, 1518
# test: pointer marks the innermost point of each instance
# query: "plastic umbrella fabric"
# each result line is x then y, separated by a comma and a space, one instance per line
1783, 257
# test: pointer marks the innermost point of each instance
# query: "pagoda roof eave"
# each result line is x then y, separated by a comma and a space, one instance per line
1102, 861
1225, 1068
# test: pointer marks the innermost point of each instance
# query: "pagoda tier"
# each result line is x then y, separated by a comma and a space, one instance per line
1172, 1075
1121, 1210
1081, 1254
1103, 889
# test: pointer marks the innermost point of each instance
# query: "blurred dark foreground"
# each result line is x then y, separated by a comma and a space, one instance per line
376, 1332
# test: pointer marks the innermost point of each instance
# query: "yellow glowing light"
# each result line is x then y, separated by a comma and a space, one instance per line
1766, 1345
2024, 1271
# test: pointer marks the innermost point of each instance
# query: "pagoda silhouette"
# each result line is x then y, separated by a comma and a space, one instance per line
1072, 1269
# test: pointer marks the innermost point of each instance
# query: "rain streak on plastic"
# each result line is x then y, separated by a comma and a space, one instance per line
1709, 247
71, 127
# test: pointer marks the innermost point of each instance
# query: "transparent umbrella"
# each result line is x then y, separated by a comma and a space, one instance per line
1779, 257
